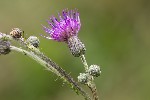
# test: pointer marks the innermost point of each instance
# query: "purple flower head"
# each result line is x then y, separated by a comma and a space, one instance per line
67, 26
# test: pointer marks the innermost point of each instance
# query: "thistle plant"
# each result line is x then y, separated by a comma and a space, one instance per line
63, 30
66, 30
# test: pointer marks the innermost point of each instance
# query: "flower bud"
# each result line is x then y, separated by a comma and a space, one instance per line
94, 70
4, 47
76, 47
33, 40
16, 33
83, 78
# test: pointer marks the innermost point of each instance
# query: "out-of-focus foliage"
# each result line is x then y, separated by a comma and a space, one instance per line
117, 37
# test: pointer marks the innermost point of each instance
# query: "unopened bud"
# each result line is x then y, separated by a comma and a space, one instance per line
83, 78
33, 40
4, 47
16, 33
94, 70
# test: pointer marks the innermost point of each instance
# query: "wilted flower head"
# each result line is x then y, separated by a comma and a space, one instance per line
68, 25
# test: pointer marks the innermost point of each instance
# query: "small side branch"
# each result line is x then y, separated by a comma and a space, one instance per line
84, 62
91, 85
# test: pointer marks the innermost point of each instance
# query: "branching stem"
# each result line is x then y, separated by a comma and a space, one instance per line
52, 66
91, 83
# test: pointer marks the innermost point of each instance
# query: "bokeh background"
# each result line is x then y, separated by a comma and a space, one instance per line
117, 37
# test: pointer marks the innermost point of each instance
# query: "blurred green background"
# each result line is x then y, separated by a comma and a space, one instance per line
117, 37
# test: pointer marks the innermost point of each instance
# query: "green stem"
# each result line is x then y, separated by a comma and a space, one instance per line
93, 89
52, 66
91, 83
84, 63
35, 57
